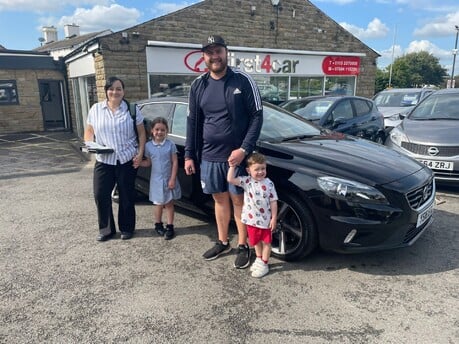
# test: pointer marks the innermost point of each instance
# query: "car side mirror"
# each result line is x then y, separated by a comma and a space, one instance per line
338, 121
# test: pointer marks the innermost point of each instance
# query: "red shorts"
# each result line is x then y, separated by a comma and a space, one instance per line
258, 234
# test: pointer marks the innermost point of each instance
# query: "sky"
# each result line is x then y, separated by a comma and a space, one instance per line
390, 27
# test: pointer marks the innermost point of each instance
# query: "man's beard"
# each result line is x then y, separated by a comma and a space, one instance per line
221, 68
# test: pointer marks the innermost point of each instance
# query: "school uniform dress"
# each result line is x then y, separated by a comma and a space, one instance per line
161, 170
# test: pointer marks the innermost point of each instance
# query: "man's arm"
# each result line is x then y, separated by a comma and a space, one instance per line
255, 113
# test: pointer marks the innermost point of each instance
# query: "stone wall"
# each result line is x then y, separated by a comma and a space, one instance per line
298, 25
27, 116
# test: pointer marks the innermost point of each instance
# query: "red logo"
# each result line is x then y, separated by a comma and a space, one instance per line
194, 61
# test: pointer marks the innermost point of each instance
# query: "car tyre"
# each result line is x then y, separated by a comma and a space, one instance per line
296, 233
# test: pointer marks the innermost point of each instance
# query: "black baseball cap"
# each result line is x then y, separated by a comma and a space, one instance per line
211, 40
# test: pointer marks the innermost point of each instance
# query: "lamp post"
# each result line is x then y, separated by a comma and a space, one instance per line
454, 57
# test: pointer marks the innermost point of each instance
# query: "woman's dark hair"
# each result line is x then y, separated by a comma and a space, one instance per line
110, 82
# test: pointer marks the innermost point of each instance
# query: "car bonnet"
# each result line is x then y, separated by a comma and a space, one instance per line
352, 158
441, 132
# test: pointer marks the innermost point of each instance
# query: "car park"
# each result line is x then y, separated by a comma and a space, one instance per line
394, 102
337, 192
429, 133
351, 115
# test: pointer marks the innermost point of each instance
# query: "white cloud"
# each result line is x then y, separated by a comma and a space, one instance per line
374, 29
168, 7
98, 18
440, 26
424, 45
45, 5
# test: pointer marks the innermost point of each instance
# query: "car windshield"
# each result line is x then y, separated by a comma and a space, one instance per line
437, 106
279, 125
315, 109
397, 99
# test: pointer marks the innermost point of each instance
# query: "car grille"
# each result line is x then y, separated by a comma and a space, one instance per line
413, 232
422, 149
418, 197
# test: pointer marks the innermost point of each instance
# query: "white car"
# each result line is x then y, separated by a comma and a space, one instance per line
399, 101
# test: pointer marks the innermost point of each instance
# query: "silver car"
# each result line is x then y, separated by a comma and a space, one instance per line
430, 134
399, 101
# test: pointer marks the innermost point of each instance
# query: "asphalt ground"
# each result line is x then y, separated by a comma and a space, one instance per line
27, 154
58, 285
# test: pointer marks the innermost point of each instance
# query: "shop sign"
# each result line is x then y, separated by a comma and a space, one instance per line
184, 60
341, 65
265, 64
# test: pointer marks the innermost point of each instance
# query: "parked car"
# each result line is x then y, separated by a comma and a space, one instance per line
351, 115
269, 93
337, 192
394, 102
429, 133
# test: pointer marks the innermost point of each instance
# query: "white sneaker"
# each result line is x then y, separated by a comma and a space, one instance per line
261, 271
256, 264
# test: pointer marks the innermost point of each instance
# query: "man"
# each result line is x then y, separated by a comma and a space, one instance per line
223, 125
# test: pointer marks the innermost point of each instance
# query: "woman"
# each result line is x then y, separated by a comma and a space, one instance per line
110, 124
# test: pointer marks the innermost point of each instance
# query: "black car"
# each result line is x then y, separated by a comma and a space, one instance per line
351, 115
338, 192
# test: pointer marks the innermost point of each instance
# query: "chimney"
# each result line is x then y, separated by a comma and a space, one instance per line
71, 30
49, 33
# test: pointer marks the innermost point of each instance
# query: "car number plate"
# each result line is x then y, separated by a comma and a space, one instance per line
438, 165
425, 215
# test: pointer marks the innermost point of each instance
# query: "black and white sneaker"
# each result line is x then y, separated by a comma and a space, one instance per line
243, 257
216, 251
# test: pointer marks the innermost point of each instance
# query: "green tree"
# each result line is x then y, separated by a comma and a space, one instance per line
416, 70
382, 80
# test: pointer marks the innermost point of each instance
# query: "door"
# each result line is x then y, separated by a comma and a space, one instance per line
51, 101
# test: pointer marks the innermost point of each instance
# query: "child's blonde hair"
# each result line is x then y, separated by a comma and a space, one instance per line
256, 158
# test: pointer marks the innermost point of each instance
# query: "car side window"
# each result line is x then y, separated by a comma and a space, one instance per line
343, 110
362, 107
179, 120
151, 111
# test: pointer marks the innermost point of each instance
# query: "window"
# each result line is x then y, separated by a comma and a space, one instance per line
343, 110
179, 120
362, 107
8, 92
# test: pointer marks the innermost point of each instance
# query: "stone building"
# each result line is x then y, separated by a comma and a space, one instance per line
32, 92
291, 48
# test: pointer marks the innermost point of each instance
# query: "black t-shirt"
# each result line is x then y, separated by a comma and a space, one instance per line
218, 137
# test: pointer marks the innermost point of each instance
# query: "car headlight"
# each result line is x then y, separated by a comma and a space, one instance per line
395, 117
397, 136
351, 191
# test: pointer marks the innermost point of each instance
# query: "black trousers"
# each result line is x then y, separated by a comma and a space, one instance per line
105, 178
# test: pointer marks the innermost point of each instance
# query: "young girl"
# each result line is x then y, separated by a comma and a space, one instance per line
161, 155
259, 211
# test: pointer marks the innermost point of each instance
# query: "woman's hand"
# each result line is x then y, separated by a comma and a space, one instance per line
136, 161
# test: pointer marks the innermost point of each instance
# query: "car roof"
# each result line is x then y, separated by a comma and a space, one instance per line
407, 89
180, 99
447, 90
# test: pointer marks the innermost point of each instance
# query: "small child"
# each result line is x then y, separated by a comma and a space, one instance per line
161, 155
259, 211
